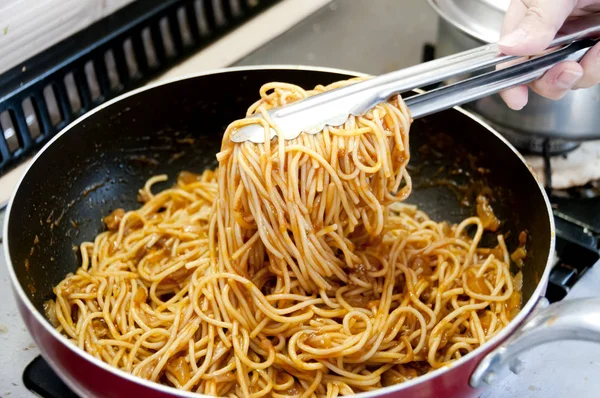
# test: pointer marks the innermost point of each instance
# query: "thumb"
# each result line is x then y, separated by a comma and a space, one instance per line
537, 28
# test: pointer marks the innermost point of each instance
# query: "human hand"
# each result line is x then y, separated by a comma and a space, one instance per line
529, 27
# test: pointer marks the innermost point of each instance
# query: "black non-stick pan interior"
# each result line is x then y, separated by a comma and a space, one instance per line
99, 164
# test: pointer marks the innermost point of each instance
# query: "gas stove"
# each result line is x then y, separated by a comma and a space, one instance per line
324, 38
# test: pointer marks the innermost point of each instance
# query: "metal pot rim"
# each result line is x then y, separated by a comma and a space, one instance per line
22, 296
471, 31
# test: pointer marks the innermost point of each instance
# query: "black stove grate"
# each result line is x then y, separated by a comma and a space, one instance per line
40, 379
577, 240
114, 55
576, 252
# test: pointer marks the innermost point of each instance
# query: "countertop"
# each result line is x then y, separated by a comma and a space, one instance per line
373, 36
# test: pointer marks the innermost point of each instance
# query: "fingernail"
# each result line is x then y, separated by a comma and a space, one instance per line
568, 78
515, 98
513, 38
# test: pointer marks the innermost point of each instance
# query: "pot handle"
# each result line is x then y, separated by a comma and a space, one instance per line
577, 319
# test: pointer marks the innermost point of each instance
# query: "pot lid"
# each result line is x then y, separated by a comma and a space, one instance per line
481, 19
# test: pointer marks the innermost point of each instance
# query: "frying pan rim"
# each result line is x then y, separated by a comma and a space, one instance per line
37, 315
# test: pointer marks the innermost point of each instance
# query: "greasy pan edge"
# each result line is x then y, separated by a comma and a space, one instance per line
527, 308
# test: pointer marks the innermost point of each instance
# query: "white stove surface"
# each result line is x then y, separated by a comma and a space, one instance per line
16, 345
576, 168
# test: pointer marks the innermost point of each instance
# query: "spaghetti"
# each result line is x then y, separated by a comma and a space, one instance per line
293, 270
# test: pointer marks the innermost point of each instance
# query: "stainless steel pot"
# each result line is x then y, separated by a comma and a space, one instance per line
466, 24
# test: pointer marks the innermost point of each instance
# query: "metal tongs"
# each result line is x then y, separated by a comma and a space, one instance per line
332, 108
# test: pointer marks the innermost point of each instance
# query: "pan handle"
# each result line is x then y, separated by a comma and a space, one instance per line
577, 319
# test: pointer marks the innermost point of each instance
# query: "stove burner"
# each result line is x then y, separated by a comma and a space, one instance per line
535, 145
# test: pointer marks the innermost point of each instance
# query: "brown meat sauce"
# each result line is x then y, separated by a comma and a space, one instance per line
486, 214
113, 220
